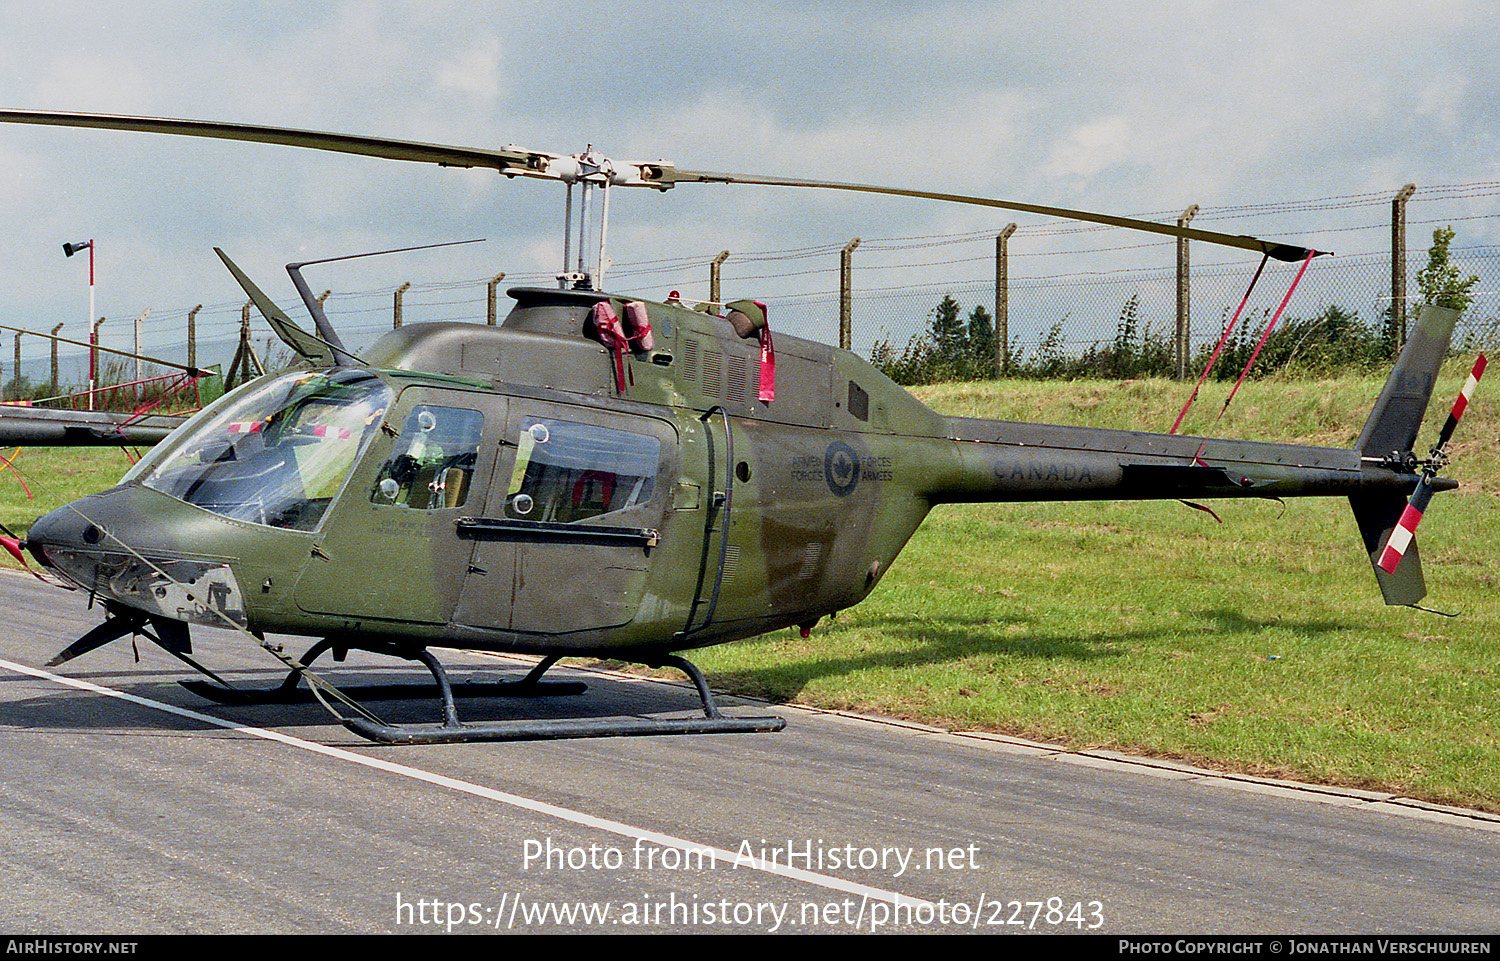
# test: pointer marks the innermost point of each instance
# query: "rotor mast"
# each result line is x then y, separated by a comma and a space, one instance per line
593, 171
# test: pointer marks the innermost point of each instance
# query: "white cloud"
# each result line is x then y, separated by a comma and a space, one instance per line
1093, 147
1443, 101
474, 73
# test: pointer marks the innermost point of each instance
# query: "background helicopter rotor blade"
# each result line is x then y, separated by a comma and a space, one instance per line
660, 175
1279, 251
1406, 528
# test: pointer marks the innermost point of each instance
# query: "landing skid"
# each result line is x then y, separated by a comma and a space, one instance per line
453, 731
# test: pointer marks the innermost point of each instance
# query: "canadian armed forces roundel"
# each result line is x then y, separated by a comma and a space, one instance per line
841, 468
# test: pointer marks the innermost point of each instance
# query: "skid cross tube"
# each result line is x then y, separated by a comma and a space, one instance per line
290, 690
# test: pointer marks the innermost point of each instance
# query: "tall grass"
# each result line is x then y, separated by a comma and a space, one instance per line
1332, 342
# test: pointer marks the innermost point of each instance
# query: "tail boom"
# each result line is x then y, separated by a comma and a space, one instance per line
1007, 461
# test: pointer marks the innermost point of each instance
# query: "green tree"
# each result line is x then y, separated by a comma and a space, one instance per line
981, 343
953, 347
949, 333
1441, 282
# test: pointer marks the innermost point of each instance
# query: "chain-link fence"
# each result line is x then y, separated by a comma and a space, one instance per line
1073, 297
1068, 287
1089, 308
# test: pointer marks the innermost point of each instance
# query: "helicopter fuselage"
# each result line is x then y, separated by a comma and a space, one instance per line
520, 488
546, 511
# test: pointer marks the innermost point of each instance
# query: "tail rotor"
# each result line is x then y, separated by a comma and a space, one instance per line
1405, 530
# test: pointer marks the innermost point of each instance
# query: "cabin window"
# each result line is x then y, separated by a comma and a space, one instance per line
433, 460
569, 472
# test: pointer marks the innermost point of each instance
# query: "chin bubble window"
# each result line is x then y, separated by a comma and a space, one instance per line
569, 472
432, 463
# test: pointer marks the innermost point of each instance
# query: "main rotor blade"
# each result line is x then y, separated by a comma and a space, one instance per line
108, 350
510, 160
1279, 251
513, 161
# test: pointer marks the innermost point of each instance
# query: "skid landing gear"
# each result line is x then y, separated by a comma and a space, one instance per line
453, 731
290, 691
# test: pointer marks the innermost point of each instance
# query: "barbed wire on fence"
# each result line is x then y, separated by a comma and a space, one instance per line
1068, 284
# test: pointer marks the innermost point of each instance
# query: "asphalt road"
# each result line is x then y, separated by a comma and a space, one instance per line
122, 817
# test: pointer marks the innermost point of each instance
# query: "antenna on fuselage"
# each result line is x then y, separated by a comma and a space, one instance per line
321, 323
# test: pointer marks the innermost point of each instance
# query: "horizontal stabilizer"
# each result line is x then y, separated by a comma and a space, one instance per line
1182, 479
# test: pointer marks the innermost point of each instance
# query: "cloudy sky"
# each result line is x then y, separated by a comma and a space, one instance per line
1123, 107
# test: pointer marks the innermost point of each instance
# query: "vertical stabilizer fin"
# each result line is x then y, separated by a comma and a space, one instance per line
1377, 514
1398, 412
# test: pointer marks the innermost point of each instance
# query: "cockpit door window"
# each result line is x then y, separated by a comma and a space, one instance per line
432, 463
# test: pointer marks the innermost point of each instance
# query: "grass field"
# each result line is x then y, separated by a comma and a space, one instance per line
1259, 644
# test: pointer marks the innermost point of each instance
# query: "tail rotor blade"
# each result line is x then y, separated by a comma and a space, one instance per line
1460, 405
1406, 528
1404, 532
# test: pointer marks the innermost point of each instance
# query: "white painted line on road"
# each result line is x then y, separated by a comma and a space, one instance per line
502, 797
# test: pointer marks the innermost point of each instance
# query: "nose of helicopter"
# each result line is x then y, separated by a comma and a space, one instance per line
127, 545
69, 528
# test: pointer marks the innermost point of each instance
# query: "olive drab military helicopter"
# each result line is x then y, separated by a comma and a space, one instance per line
607, 476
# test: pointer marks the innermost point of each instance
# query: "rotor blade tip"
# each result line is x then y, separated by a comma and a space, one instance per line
1291, 253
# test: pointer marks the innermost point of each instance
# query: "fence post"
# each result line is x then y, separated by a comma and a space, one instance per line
1002, 300
396, 319
713, 276
1398, 263
490, 304
193, 336
846, 293
1184, 298
53, 391
241, 363
94, 358
17, 381
136, 361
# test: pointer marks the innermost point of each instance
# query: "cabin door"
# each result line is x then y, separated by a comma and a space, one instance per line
389, 549
566, 544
